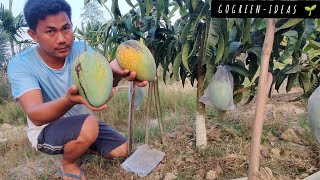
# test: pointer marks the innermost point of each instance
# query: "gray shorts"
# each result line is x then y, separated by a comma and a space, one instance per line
54, 136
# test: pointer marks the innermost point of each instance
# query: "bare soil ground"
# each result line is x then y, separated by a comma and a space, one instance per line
287, 150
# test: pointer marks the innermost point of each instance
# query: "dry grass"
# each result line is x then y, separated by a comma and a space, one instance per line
228, 141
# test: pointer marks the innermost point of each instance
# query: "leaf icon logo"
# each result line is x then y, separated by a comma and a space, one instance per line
307, 8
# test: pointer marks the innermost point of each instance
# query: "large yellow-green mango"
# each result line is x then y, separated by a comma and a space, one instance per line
221, 94
93, 77
135, 56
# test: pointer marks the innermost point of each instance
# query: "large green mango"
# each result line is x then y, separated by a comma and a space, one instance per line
92, 75
135, 56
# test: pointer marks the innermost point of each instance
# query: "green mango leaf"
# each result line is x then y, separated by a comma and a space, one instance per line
292, 36
131, 28
259, 24
279, 80
257, 51
314, 44
129, 3
86, 2
210, 66
196, 43
185, 32
234, 47
313, 53
291, 22
230, 24
309, 29
188, 5
212, 38
305, 80
115, 10
294, 69
183, 75
233, 34
185, 53
151, 34
142, 8
251, 96
196, 17
253, 65
194, 4
170, 51
179, 2
149, 6
238, 69
291, 79
165, 6
313, 87
158, 7
173, 10
176, 66
246, 33
221, 47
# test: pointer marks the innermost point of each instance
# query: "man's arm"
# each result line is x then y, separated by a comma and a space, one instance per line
41, 113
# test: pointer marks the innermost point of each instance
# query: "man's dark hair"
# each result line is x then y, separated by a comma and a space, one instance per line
35, 10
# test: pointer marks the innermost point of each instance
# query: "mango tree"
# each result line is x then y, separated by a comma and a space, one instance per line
207, 42
147, 21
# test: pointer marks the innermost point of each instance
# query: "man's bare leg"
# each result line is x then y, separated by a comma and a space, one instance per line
73, 150
121, 151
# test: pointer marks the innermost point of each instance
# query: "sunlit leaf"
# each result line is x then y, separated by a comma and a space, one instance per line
185, 54
176, 66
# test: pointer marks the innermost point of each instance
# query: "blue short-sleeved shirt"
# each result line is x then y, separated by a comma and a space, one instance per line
27, 71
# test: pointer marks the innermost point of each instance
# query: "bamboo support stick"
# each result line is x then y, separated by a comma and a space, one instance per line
131, 118
158, 108
148, 113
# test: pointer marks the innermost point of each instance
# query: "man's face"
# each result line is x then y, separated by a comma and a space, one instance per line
54, 35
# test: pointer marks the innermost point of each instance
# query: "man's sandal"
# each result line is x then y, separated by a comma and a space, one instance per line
62, 174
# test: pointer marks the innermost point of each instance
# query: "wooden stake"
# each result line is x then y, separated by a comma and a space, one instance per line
264, 81
131, 118
148, 112
158, 108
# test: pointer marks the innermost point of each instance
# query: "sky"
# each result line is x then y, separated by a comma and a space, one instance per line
76, 6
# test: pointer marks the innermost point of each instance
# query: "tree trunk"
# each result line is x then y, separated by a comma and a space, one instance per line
12, 47
201, 133
265, 81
